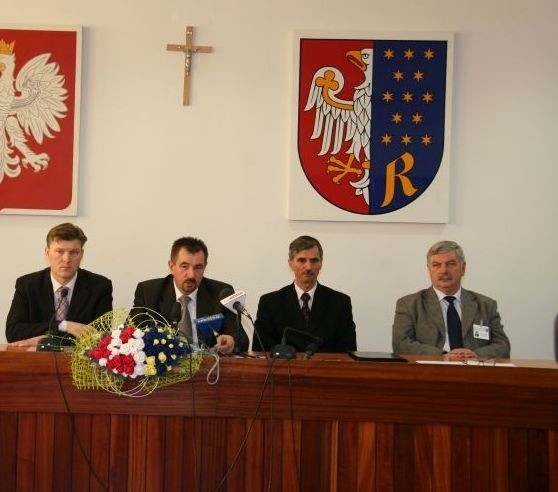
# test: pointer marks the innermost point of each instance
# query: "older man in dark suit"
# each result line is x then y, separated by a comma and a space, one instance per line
446, 318
312, 311
61, 299
187, 263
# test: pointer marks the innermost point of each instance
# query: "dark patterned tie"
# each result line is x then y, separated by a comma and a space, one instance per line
185, 323
306, 307
454, 325
62, 303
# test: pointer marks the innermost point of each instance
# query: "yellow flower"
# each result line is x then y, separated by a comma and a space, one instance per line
162, 357
150, 369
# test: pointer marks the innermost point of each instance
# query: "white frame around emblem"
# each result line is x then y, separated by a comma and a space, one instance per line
72, 208
306, 204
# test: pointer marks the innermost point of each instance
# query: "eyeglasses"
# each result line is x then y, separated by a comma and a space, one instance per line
479, 362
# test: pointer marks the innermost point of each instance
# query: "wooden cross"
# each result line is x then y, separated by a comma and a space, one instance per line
188, 49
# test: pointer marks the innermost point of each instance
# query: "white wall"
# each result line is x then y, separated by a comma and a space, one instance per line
152, 170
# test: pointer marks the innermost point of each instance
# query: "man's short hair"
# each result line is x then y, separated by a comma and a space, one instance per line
66, 232
444, 247
302, 243
192, 244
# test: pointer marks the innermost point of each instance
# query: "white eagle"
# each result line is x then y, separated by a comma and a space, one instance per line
31, 104
337, 121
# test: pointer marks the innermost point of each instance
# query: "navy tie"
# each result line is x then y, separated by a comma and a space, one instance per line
454, 325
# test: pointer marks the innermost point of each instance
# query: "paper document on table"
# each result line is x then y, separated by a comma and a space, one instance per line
472, 362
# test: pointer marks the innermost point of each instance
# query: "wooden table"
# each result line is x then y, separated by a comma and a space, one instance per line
325, 424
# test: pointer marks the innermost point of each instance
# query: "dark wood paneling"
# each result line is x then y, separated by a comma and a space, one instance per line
329, 424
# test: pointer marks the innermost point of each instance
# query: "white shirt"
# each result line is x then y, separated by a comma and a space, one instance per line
311, 293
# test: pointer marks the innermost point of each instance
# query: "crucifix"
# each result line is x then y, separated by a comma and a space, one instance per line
188, 49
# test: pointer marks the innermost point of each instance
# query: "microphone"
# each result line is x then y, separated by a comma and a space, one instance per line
310, 350
210, 325
52, 342
234, 302
285, 351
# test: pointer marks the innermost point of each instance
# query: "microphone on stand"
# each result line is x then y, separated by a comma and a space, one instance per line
234, 301
310, 350
52, 342
284, 351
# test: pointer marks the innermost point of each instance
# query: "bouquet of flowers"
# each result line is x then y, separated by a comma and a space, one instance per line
130, 358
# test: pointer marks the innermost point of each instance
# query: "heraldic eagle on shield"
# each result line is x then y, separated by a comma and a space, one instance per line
30, 105
337, 121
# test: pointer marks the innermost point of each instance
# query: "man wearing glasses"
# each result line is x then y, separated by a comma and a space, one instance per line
446, 318
61, 299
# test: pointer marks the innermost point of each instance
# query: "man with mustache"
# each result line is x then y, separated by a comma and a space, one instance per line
325, 315
424, 321
187, 263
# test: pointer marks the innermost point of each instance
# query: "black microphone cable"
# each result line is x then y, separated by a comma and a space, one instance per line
268, 377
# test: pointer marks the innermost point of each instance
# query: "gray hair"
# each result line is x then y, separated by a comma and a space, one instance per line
444, 247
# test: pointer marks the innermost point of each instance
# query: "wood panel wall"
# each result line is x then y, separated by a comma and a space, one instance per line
319, 426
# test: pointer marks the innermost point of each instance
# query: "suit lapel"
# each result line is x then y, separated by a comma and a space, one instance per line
434, 310
319, 308
46, 297
80, 296
167, 298
468, 311
203, 301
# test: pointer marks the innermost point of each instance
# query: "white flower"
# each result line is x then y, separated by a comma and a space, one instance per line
139, 357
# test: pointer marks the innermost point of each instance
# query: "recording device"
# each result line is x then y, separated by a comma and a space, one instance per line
52, 342
284, 351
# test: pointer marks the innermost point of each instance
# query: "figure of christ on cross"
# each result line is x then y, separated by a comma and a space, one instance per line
188, 49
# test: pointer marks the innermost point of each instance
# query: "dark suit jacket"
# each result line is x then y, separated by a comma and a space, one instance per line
419, 328
32, 308
331, 319
159, 295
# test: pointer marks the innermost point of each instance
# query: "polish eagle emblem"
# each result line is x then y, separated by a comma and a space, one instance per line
337, 121
30, 106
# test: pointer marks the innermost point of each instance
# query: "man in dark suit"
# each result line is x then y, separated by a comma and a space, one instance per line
33, 311
187, 263
326, 314
423, 325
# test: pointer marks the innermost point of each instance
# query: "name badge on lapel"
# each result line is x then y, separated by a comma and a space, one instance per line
481, 332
